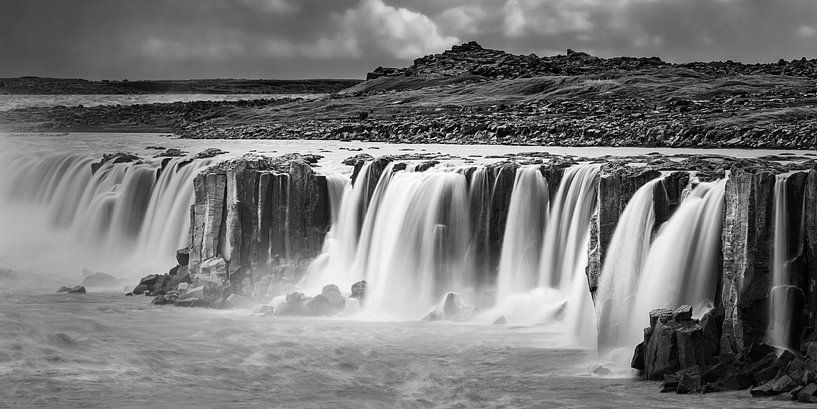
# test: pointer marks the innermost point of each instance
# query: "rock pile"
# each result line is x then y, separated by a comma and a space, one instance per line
685, 354
472, 59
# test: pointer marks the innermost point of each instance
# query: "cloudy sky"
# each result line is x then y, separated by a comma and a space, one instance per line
151, 39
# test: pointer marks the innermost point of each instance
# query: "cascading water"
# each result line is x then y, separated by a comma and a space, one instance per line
566, 238
784, 293
419, 243
556, 291
124, 218
622, 267
524, 232
682, 265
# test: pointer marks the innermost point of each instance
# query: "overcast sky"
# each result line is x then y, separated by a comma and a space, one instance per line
151, 39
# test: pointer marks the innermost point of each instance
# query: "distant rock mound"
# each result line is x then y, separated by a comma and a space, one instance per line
472, 59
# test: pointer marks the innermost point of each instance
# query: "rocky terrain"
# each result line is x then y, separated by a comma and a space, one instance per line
474, 95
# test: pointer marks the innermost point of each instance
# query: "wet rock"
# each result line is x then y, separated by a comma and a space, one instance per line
332, 294
149, 284
637, 362
352, 160
171, 153
683, 313
210, 153
72, 290
359, 291
183, 256
119, 157
319, 306
161, 300
690, 382
294, 305
672, 345
808, 394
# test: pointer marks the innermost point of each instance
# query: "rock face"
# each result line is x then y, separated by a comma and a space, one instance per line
617, 184
254, 214
675, 342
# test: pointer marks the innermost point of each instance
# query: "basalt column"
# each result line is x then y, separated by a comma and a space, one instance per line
616, 186
748, 235
253, 214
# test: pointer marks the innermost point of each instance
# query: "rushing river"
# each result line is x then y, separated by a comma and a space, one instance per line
106, 350
9, 102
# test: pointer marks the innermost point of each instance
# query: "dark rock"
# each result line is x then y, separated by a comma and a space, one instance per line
210, 152
352, 160
689, 383
183, 256
670, 383
683, 313
160, 300
359, 291
500, 321
72, 290
638, 357
808, 394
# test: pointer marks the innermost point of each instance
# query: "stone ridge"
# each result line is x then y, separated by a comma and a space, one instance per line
253, 161
472, 59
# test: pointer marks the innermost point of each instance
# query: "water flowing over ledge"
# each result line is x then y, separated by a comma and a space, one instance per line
588, 246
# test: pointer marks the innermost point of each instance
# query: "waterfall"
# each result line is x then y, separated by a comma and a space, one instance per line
123, 218
622, 267
682, 265
524, 232
565, 239
418, 243
785, 296
541, 275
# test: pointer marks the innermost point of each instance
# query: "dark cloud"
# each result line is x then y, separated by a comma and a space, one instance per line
346, 38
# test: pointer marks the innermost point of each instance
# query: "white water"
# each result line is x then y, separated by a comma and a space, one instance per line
125, 217
65, 350
682, 265
524, 233
618, 284
9, 102
546, 283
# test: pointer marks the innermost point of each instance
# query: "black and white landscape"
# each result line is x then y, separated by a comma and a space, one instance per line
420, 204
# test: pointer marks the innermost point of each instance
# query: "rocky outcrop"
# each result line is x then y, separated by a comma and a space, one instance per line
472, 59
72, 290
254, 214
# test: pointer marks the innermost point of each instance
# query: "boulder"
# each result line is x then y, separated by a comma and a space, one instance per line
72, 290
359, 291
100, 280
352, 160
319, 306
333, 295
501, 320
150, 284
808, 394
675, 342
183, 256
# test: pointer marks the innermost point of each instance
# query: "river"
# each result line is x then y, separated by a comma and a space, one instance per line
106, 350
